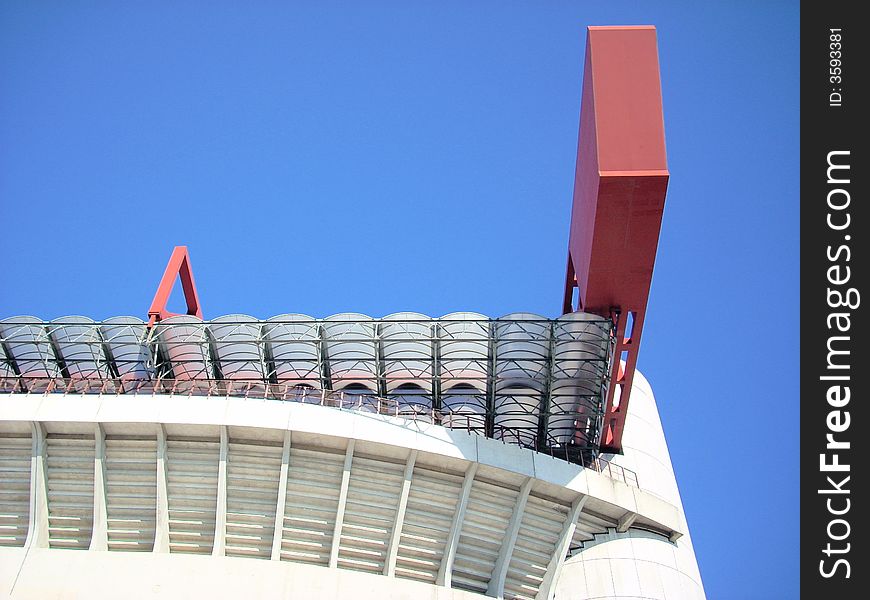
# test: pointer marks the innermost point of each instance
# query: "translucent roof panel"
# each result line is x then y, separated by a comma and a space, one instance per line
351, 350
464, 350
237, 346
523, 349
580, 345
184, 341
78, 343
28, 344
293, 345
127, 341
407, 348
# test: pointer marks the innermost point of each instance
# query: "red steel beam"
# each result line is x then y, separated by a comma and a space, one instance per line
179, 264
619, 196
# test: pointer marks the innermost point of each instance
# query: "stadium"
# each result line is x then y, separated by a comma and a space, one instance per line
405, 456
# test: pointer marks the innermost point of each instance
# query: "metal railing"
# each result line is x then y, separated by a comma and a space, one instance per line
459, 420
616, 472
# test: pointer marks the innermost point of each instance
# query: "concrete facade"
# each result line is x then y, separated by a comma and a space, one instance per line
636, 563
188, 496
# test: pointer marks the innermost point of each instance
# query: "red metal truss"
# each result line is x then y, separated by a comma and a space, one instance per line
619, 194
179, 264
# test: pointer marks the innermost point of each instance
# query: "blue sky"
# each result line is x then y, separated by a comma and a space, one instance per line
319, 157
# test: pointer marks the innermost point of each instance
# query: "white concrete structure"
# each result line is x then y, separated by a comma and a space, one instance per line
629, 561
169, 496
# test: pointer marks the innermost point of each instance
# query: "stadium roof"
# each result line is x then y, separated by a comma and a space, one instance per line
521, 378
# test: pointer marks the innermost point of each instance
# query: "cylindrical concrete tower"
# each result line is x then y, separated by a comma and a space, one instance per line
636, 563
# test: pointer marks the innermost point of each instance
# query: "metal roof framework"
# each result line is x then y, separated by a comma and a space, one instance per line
524, 379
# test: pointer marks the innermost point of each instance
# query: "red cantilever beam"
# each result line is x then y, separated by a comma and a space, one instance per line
179, 264
619, 196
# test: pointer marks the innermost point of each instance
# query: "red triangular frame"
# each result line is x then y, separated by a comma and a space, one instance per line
179, 264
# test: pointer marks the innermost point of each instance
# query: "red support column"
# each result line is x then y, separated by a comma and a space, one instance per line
619, 193
179, 264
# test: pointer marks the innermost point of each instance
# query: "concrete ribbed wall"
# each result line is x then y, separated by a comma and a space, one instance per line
219, 486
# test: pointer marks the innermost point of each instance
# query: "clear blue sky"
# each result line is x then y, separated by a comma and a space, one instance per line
319, 157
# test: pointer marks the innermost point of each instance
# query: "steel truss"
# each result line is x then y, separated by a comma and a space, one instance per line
526, 380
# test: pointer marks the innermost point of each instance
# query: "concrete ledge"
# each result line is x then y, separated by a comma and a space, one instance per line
110, 575
615, 498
